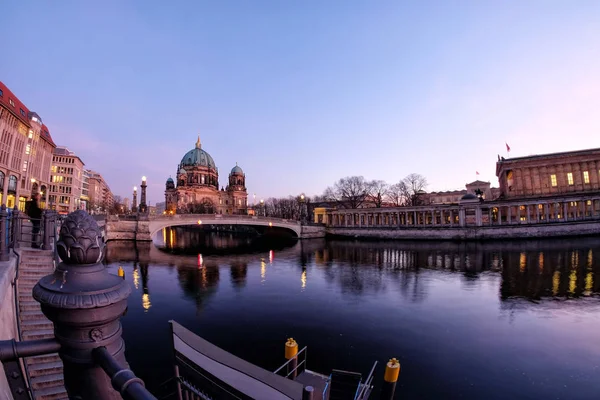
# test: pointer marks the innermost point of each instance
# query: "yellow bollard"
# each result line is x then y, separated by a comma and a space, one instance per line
392, 371
291, 348
291, 351
121, 272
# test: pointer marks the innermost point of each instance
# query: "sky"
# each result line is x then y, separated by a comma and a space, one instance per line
303, 93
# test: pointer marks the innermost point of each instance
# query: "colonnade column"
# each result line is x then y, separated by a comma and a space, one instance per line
499, 215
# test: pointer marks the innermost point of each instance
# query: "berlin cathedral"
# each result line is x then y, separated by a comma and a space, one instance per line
196, 188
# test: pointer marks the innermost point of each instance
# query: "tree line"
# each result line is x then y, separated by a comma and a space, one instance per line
352, 192
356, 192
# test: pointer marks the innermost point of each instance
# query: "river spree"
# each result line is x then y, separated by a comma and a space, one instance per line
511, 320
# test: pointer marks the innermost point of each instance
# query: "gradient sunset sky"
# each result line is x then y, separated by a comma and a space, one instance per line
302, 93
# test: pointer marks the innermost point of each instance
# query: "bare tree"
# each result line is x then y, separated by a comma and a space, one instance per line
378, 192
397, 194
349, 192
415, 185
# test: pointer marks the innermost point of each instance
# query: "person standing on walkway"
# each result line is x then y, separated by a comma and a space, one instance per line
34, 212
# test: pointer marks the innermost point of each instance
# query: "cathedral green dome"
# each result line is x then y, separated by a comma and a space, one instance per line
198, 158
236, 170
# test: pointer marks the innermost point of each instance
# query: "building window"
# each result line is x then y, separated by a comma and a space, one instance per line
553, 180
22, 112
12, 103
586, 177
570, 178
1, 93
28, 149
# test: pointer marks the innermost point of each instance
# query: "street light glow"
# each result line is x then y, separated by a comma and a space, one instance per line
32, 180
143, 179
199, 222
135, 188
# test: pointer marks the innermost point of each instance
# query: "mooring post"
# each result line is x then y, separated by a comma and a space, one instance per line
392, 371
291, 353
85, 303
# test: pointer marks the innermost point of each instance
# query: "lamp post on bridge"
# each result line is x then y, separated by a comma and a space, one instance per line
262, 208
134, 202
302, 209
143, 206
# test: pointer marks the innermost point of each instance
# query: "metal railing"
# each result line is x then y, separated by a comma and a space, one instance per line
364, 387
294, 364
123, 379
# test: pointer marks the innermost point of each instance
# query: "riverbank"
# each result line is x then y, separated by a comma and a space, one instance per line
497, 232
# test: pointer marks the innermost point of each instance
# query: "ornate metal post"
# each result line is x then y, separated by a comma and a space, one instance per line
3, 234
16, 228
85, 303
48, 226
134, 202
143, 206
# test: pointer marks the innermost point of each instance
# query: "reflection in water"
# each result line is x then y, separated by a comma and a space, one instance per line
201, 239
371, 300
146, 293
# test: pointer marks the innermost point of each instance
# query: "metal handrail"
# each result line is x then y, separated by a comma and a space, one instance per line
360, 392
326, 387
290, 360
123, 380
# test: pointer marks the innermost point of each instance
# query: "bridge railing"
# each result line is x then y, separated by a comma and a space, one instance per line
209, 217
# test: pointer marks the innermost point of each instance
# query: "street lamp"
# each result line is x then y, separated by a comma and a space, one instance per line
302, 210
134, 202
262, 207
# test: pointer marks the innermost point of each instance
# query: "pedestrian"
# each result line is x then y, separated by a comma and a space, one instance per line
34, 212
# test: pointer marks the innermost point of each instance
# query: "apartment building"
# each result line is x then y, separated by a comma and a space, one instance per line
26, 150
66, 181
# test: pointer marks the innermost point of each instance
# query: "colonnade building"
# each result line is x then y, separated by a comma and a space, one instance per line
538, 189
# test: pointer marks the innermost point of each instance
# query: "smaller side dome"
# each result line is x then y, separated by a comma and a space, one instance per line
237, 170
170, 180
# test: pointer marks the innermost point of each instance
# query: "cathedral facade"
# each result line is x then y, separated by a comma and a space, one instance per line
196, 187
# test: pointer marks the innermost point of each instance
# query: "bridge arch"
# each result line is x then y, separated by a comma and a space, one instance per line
158, 223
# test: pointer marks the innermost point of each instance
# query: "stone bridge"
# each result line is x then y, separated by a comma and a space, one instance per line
143, 228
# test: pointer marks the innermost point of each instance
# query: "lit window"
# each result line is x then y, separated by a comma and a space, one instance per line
573, 204
570, 178
30, 134
24, 165
553, 180
589, 203
540, 206
586, 177
28, 149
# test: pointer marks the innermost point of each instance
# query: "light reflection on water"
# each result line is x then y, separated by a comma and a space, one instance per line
493, 320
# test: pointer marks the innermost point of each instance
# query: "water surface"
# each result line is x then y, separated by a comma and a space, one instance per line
512, 320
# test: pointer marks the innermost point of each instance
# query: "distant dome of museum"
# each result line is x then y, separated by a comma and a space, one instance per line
469, 196
198, 158
236, 170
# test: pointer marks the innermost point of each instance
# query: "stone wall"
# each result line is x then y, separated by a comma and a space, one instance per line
8, 317
562, 229
127, 230
312, 231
